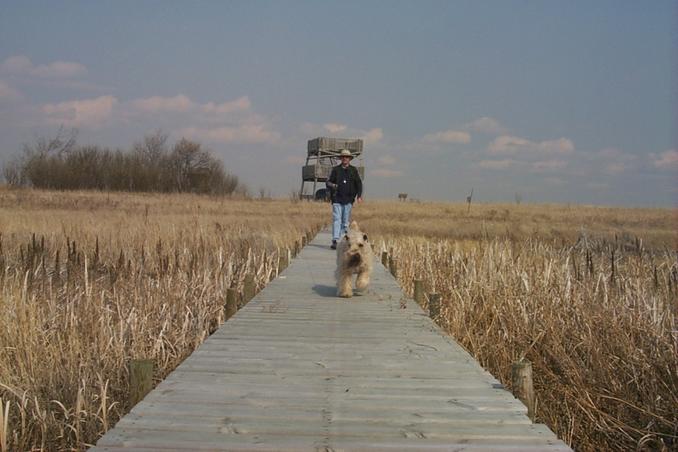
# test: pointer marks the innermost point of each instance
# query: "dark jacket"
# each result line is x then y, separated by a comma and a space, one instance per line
345, 184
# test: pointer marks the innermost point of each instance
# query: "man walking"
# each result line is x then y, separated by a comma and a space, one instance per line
345, 185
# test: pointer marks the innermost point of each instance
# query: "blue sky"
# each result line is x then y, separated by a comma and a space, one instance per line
571, 101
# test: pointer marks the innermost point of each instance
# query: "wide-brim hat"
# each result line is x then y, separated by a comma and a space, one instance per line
345, 153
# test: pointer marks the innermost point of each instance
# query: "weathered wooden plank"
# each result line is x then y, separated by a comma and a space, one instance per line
396, 386
364, 414
456, 407
300, 369
472, 402
376, 447
221, 441
333, 428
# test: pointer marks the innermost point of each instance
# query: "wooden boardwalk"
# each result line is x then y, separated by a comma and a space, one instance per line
300, 369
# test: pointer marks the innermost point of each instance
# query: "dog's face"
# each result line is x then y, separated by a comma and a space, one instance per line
355, 246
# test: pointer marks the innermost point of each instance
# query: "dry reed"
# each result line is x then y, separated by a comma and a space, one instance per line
89, 281
579, 293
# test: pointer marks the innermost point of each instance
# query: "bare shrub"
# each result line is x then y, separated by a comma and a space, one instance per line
149, 166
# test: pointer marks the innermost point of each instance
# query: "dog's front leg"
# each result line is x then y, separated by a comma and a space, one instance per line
345, 288
363, 280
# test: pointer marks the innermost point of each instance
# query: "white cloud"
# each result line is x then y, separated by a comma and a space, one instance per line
615, 161
157, 104
667, 160
60, 69
22, 65
333, 127
215, 122
372, 136
242, 133
8, 93
310, 129
386, 160
496, 164
184, 104
548, 165
508, 144
75, 113
610, 153
384, 172
511, 145
240, 104
16, 65
615, 168
447, 137
487, 125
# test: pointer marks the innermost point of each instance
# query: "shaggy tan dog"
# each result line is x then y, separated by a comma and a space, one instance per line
354, 255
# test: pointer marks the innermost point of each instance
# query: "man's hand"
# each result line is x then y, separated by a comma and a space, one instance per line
360, 199
331, 185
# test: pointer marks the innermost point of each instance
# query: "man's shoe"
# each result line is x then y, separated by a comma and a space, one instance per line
334, 245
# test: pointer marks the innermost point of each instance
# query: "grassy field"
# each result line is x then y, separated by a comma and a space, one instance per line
589, 295
90, 280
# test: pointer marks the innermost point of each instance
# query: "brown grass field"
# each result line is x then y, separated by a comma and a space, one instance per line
589, 295
91, 280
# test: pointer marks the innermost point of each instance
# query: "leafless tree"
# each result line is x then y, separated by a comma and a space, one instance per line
59, 163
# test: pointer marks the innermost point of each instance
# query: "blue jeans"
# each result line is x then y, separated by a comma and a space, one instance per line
341, 215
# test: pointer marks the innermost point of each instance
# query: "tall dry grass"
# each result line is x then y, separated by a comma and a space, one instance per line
589, 295
89, 281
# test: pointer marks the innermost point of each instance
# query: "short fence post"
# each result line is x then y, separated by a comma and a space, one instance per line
384, 258
283, 260
419, 291
140, 379
231, 304
303, 241
434, 305
248, 290
393, 265
297, 248
521, 381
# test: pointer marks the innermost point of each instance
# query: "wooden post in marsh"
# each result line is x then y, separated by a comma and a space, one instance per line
231, 306
393, 267
434, 305
612, 265
297, 248
283, 260
140, 379
419, 291
248, 290
303, 241
521, 381
384, 258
